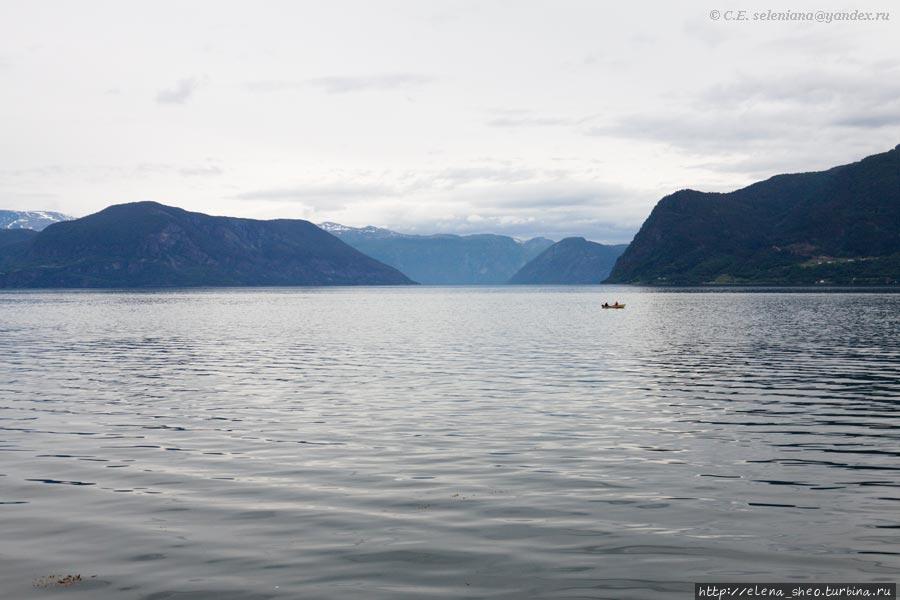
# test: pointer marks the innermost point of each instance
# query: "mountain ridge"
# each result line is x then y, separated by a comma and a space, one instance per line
147, 244
839, 226
572, 260
443, 258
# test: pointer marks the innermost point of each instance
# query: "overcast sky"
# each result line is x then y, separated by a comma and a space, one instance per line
554, 118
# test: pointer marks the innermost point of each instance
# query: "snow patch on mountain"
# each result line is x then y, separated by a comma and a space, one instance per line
30, 219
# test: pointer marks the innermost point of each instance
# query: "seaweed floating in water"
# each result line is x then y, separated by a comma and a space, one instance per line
57, 581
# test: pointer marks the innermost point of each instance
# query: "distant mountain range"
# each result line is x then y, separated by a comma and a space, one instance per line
443, 259
573, 260
840, 226
30, 219
149, 244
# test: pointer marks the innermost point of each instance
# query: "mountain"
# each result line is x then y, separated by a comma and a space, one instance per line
9, 237
37, 219
13, 243
570, 261
840, 226
149, 244
443, 259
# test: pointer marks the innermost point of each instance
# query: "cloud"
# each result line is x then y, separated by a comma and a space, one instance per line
553, 225
204, 171
875, 120
112, 172
343, 85
165, 169
492, 197
752, 125
273, 85
691, 130
529, 121
352, 187
563, 194
511, 117
816, 43
456, 176
709, 32
869, 88
555, 209
179, 93
321, 196
13, 198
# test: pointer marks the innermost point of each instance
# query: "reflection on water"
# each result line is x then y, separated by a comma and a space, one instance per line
446, 442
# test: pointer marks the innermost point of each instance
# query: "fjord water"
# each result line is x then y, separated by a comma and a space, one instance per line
445, 442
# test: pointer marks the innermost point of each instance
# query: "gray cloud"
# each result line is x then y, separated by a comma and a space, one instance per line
870, 88
817, 43
273, 85
328, 196
565, 194
692, 130
112, 172
179, 93
343, 85
801, 120
457, 176
556, 208
12, 198
503, 198
532, 121
301, 192
873, 120
709, 32
151, 169
204, 171
511, 117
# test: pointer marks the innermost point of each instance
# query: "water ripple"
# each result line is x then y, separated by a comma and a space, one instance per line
446, 442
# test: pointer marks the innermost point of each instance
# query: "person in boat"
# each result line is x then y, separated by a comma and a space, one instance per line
606, 305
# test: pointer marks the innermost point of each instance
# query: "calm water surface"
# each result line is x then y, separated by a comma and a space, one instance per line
445, 442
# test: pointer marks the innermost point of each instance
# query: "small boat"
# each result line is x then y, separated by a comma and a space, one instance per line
608, 305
